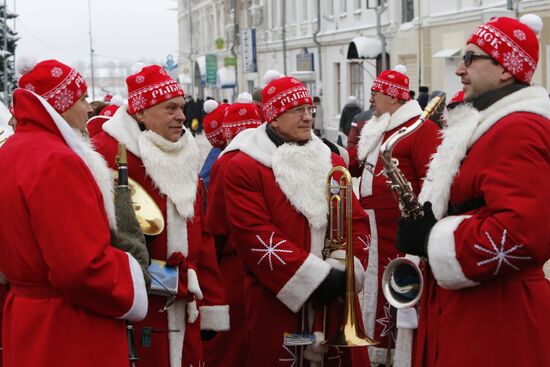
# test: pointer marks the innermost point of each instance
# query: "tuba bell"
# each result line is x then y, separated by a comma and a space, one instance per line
340, 195
402, 280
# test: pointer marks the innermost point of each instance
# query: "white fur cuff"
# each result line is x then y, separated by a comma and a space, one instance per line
215, 318
336, 260
138, 311
442, 254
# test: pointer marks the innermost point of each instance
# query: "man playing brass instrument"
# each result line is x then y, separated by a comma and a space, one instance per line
486, 213
69, 287
164, 159
393, 110
277, 210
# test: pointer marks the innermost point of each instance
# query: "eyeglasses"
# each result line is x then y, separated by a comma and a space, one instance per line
470, 56
299, 111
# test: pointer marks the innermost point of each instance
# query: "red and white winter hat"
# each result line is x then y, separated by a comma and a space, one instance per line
212, 122
282, 93
239, 117
114, 103
512, 43
393, 83
149, 86
54, 81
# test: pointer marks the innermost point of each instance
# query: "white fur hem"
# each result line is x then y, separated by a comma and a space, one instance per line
302, 284
138, 311
215, 318
336, 260
442, 254
378, 355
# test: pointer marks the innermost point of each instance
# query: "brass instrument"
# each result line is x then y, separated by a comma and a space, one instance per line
148, 214
340, 195
402, 281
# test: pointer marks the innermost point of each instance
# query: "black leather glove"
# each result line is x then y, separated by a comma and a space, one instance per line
332, 287
412, 235
207, 335
129, 236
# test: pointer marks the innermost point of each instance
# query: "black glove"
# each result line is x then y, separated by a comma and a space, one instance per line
332, 287
129, 236
207, 335
331, 145
412, 235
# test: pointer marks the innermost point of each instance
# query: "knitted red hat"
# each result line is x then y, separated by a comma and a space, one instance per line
54, 81
457, 98
282, 93
150, 86
239, 117
212, 122
114, 103
512, 43
393, 83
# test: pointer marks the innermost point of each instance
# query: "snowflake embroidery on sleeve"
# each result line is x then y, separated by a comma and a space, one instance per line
500, 255
270, 250
388, 322
512, 62
64, 100
291, 358
365, 245
519, 34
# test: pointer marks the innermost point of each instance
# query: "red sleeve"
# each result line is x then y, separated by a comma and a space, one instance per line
216, 219
426, 140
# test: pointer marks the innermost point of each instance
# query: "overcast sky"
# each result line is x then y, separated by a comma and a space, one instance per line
121, 29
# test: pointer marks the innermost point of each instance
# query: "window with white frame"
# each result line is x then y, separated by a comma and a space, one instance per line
408, 10
356, 82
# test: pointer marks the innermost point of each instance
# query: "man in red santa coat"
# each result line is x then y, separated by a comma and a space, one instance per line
393, 110
70, 289
164, 158
277, 209
486, 213
229, 349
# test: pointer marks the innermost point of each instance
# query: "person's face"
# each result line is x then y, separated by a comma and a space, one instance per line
295, 125
165, 118
77, 115
481, 75
12, 122
382, 103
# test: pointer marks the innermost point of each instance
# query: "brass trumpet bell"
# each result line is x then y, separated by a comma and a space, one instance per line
402, 283
148, 214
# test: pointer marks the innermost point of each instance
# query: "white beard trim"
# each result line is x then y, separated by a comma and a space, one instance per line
173, 167
301, 172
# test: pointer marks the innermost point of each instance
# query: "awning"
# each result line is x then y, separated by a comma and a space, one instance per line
447, 53
305, 76
364, 48
225, 77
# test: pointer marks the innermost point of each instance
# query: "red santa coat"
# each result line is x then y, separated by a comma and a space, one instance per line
228, 348
487, 283
277, 210
69, 288
413, 153
177, 195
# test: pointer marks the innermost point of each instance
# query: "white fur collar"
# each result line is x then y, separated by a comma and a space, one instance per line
373, 131
300, 171
173, 167
238, 140
94, 161
465, 125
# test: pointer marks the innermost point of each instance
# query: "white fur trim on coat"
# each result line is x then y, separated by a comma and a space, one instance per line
337, 260
237, 141
93, 160
465, 125
176, 321
442, 254
124, 129
370, 287
215, 318
138, 310
307, 278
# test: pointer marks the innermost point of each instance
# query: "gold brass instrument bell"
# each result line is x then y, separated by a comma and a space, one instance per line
148, 214
340, 195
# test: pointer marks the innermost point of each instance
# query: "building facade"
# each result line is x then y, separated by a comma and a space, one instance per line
335, 46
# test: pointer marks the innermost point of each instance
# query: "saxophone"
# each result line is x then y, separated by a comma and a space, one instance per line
402, 281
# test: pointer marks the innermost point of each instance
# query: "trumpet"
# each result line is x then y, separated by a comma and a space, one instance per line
402, 281
340, 194
148, 214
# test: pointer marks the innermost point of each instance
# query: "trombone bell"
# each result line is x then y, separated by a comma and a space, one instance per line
402, 283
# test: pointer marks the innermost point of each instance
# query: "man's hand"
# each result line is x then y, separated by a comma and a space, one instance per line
332, 287
412, 235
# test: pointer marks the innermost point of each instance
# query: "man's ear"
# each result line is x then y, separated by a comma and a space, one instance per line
505, 75
140, 116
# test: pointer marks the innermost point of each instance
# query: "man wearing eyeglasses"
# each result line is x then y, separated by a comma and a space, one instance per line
275, 195
392, 109
486, 213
